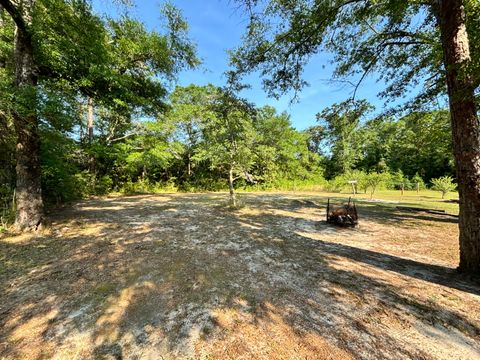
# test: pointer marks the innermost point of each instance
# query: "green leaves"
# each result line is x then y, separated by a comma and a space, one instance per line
341, 123
398, 41
443, 184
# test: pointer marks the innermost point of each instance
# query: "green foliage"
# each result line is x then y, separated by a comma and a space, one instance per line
7, 206
417, 182
360, 177
443, 184
341, 124
396, 39
60, 182
420, 142
337, 184
365, 181
118, 63
144, 186
317, 183
374, 180
146, 141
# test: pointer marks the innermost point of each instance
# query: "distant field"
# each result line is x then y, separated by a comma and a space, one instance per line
428, 199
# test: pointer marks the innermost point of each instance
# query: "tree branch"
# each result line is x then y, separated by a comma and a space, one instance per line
365, 72
15, 14
109, 141
404, 43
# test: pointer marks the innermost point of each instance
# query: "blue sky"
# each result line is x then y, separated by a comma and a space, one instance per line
216, 26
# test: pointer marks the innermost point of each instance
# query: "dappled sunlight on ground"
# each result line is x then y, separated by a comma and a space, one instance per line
181, 276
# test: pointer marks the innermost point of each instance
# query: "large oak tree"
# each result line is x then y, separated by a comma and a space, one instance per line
64, 45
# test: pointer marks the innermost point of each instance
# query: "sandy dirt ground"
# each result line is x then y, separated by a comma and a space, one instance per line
181, 276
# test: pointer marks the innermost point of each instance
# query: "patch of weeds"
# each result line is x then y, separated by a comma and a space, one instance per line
159, 243
108, 351
433, 299
207, 329
103, 290
239, 203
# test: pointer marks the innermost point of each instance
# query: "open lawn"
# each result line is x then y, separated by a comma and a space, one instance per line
182, 276
428, 199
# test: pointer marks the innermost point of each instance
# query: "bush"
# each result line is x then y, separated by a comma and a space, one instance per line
103, 185
147, 187
417, 181
311, 184
375, 180
336, 184
360, 177
443, 184
60, 185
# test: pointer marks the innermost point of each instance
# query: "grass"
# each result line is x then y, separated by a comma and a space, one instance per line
427, 199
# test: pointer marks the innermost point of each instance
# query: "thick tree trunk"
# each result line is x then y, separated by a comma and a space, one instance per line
465, 128
233, 198
29, 202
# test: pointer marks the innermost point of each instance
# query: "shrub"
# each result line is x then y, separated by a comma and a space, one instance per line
7, 207
103, 185
360, 177
374, 180
443, 184
417, 180
398, 181
337, 184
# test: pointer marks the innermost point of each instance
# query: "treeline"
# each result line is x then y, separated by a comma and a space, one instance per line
397, 153
209, 139
90, 113
419, 145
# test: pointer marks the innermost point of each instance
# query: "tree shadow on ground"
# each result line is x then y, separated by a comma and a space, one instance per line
384, 213
126, 276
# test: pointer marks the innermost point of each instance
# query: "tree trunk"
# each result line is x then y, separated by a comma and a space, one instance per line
2, 63
90, 118
29, 214
233, 198
465, 128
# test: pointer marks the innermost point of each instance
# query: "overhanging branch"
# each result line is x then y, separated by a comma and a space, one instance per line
15, 14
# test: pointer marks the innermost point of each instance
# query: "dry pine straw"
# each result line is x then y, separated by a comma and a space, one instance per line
181, 276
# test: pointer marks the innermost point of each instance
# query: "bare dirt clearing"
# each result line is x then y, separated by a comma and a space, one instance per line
180, 276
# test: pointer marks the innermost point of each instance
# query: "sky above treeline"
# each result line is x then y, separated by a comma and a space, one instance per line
217, 26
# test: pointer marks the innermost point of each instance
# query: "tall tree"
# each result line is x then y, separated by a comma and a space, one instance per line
341, 123
405, 42
463, 77
119, 64
189, 114
229, 138
281, 151
419, 142
28, 187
